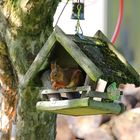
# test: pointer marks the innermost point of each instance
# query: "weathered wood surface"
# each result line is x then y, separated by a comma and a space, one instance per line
38, 62
86, 89
96, 56
51, 91
100, 35
76, 107
78, 55
107, 59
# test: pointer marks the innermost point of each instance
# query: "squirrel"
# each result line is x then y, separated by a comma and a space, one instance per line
65, 77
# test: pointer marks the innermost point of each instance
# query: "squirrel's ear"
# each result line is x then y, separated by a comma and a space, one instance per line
58, 67
52, 66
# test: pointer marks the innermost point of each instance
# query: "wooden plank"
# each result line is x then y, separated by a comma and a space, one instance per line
78, 107
89, 93
53, 105
114, 108
38, 62
51, 91
103, 95
93, 94
88, 66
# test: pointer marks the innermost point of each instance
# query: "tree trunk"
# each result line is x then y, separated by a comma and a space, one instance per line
24, 27
33, 125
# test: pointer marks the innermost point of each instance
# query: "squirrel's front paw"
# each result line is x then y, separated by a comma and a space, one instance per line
54, 86
57, 86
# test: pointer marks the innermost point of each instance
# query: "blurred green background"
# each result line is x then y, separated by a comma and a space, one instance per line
128, 41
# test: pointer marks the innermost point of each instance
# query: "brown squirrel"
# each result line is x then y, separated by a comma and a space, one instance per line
65, 77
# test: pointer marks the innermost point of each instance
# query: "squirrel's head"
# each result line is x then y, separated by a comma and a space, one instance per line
56, 73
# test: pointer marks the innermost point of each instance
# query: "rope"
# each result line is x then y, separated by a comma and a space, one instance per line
61, 12
78, 26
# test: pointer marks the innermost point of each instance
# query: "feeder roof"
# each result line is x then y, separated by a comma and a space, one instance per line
97, 56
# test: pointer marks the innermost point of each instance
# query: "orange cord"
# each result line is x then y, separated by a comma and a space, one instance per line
119, 21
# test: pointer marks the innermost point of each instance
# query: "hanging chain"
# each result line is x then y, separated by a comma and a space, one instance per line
78, 28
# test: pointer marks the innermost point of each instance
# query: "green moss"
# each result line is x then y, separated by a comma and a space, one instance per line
107, 61
38, 17
14, 2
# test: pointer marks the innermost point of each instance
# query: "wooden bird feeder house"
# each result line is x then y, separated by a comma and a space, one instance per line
101, 63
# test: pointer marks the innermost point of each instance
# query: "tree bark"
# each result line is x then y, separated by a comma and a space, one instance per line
33, 125
24, 28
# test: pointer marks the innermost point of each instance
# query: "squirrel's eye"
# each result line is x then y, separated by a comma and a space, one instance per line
55, 75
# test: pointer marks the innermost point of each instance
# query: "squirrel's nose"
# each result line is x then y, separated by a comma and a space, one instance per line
52, 80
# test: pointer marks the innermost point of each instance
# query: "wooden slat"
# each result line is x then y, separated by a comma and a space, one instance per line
53, 105
51, 91
78, 107
97, 94
102, 95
